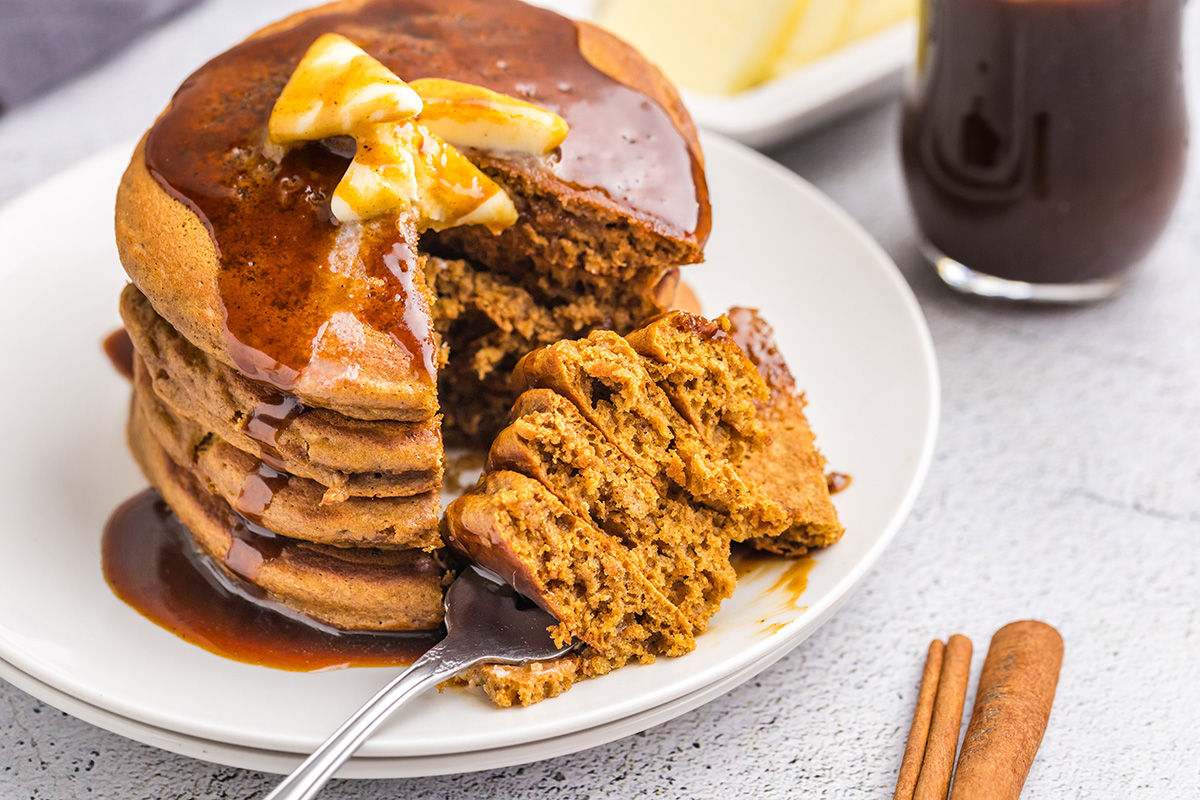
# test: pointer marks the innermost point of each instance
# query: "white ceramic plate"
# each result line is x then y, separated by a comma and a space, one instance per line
845, 318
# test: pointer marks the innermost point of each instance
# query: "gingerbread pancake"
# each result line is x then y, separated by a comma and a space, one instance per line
286, 504
378, 458
351, 588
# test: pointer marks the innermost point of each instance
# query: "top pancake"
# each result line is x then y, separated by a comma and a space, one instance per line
242, 258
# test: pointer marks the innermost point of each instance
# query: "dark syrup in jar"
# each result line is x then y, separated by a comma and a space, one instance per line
1044, 140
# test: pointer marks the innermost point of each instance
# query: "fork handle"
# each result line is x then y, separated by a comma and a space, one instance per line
438, 664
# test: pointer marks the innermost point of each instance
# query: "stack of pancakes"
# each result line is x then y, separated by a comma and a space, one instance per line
293, 375
334, 516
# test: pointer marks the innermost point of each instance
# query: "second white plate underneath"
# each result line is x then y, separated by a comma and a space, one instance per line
381, 766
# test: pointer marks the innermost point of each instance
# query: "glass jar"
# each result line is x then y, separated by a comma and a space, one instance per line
1044, 141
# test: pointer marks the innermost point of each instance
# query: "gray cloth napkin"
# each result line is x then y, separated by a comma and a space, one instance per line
44, 42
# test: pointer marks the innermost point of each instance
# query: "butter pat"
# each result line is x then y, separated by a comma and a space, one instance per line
337, 87
471, 116
818, 28
713, 46
722, 47
822, 26
872, 16
407, 166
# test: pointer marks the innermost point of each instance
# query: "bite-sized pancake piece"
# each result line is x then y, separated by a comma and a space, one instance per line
683, 550
515, 527
377, 458
708, 378
790, 468
488, 320
607, 380
526, 684
350, 588
286, 504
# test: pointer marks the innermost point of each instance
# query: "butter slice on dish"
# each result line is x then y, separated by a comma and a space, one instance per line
719, 47
712, 46
823, 26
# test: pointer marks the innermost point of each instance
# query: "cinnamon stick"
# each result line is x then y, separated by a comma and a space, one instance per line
918, 734
938, 763
1012, 708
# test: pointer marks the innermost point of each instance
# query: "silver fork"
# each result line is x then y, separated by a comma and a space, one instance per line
486, 621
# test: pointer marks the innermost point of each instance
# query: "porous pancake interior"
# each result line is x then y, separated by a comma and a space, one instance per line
607, 381
488, 319
707, 378
683, 550
590, 583
789, 468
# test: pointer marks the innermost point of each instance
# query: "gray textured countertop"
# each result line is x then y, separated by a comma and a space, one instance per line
1066, 486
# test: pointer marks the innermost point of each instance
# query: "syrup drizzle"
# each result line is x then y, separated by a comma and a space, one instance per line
251, 546
753, 334
119, 349
402, 263
789, 584
838, 482
259, 489
151, 563
269, 420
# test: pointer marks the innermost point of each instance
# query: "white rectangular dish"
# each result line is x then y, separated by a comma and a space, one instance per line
850, 78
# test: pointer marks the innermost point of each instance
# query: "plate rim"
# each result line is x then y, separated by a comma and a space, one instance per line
376, 767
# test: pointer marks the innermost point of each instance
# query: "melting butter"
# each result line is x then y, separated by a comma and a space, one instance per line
470, 116
406, 158
336, 89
